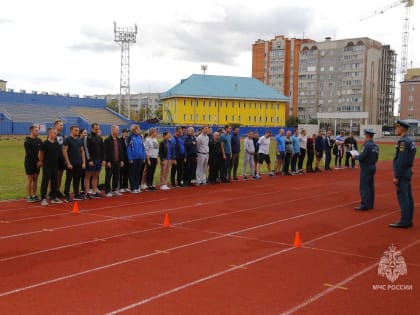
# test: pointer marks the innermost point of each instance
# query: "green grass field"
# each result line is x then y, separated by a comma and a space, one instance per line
13, 178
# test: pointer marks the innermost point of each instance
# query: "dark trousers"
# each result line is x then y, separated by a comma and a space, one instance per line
225, 167
295, 157
367, 186
347, 161
328, 159
286, 165
190, 169
49, 174
135, 173
255, 162
124, 175
73, 175
177, 171
215, 164
405, 200
114, 173
310, 161
234, 165
301, 158
338, 159
150, 172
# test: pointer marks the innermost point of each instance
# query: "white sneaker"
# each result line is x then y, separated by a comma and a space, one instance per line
122, 190
117, 193
164, 187
90, 191
135, 191
144, 186
108, 195
44, 202
127, 190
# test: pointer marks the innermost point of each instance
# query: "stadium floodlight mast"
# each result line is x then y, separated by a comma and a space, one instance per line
125, 36
204, 69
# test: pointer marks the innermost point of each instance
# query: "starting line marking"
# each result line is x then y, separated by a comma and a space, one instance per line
332, 285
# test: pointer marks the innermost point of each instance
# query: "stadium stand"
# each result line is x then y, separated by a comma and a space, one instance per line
18, 111
98, 114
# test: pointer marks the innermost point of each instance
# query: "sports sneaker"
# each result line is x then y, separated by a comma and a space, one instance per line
77, 197
257, 177
90, 191
116, 193
135, 191
56, 200
36, 198
144, 186
60, 194
271, 174
245, 177
44, 202
164, 187
97, 195
30, 199
122, 190
67, 199
108, 195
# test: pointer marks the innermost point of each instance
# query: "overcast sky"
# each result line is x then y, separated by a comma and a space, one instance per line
68, 46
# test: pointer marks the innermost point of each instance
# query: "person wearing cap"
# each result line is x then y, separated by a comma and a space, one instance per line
367, 161
402, 165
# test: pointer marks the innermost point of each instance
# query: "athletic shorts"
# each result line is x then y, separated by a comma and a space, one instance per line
318, 154
61, 164
280, 156
96, 167
31, 168
263, 157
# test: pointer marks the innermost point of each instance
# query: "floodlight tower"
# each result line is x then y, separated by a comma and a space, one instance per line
125, 36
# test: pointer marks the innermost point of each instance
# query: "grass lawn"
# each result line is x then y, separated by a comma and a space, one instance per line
13, 178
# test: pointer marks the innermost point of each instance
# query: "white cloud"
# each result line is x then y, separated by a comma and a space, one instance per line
69, 46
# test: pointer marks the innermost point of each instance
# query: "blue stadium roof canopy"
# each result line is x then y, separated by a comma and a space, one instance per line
215, 86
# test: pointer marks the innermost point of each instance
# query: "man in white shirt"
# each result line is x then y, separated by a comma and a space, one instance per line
264, 153
202, 156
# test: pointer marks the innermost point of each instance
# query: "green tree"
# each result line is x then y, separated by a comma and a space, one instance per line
113, 104
159, 113
292, 121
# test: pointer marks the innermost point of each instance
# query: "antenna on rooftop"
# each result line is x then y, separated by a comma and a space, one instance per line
204, 69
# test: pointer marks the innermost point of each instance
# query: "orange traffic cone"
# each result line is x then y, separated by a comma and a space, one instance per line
166, 222
75, 207
297, 242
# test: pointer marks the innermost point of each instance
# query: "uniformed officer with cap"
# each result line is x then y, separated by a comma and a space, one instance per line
403, 162
367, 161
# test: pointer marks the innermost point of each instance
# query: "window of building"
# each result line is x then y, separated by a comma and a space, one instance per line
209, 117
209, 103
410, 98
204, 117
239, 118
411, 88
255, 118
226, 117
185, 102
204, 103
185, 117
233, 118
191, 117
331, 68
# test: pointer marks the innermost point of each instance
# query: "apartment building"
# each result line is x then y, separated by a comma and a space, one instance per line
276, 63
410, 95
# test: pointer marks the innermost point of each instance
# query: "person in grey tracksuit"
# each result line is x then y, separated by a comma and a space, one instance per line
249, 150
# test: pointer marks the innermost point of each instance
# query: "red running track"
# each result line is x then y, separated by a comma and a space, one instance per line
229, 250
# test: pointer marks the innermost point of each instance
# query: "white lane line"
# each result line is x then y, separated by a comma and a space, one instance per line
340, 284
43, 283
141, 231
192, 283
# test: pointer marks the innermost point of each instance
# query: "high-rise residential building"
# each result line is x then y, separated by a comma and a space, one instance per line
346, 80
410, 95
276, 63
387, 86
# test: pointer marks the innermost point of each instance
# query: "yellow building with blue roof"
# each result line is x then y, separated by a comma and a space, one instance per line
219, 100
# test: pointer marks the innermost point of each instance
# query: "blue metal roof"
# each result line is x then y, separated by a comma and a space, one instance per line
215, 86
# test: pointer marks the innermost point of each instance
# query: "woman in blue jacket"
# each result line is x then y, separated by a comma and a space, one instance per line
136, 157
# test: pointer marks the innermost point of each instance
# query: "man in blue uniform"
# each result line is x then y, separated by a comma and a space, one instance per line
367, 160
403, 162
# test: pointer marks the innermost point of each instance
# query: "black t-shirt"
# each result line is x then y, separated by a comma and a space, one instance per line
73, 150
60, 141
52, 151
32, 146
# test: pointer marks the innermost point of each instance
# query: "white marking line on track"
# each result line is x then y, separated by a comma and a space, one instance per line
331, 285
70, 276
159, 227
192, 283
340, 284
135, 215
